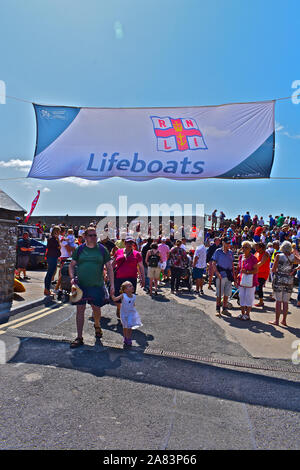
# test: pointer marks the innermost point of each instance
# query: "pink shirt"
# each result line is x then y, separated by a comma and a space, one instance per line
248, 264
127, 267
164, 250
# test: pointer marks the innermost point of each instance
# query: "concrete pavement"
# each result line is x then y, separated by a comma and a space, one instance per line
257, 336
157, 395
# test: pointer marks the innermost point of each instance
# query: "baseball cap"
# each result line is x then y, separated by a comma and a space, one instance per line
226, 240
129, 239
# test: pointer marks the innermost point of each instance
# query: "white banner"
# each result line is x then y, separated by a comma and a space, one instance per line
227, 141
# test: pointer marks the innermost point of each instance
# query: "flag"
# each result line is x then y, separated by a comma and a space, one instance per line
227, 141
33, 204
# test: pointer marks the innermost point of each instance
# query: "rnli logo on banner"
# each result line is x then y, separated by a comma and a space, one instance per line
177, 134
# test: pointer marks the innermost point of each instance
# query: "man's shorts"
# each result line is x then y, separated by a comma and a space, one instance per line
93, 296
198, 273
22, 261
153, 273
119, 282
226, 287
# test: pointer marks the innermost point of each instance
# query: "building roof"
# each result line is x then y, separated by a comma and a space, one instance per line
8, 204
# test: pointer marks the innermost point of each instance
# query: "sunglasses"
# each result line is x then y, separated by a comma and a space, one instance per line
91, 235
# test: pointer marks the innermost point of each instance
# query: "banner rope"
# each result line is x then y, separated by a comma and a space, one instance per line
151, 107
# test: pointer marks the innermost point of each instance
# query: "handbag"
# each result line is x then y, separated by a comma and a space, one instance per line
246, 280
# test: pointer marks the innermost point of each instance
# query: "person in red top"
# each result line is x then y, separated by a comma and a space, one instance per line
263, 264
257, 234
40, 228
127, 264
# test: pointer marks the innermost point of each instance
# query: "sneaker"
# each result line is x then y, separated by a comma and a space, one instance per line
201, 292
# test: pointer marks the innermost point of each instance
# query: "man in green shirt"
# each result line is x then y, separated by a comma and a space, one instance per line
280, 220
89, 261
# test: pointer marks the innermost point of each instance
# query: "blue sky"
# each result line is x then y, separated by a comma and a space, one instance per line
138, 53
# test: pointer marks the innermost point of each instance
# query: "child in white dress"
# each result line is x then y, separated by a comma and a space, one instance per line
129, 316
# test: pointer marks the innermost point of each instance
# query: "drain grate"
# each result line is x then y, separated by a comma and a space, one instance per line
224, 362
211, 360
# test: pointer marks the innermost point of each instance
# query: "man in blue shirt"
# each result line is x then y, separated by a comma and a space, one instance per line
271, 222
246, 219
284, 234
225, 273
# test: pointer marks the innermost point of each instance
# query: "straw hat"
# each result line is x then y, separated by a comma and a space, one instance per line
76, 294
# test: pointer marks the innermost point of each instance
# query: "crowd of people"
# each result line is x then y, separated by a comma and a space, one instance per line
238, 255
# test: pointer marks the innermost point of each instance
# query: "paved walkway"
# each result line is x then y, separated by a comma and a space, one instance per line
258, 337
34, 288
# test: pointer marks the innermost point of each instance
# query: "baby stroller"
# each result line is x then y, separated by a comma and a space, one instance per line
186, 279
235, 294
64, 293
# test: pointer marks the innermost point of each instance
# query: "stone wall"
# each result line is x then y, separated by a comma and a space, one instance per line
8, 241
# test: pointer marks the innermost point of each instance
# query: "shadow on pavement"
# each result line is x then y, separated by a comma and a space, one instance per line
174, 373
139, 336
256, 326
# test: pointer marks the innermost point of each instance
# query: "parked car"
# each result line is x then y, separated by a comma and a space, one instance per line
37, 257
31, 229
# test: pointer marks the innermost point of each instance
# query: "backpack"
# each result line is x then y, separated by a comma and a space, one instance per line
153, 260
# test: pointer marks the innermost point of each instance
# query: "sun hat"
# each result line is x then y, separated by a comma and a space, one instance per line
129, 239
76, 294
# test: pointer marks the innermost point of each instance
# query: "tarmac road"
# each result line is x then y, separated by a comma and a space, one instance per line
185, 384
